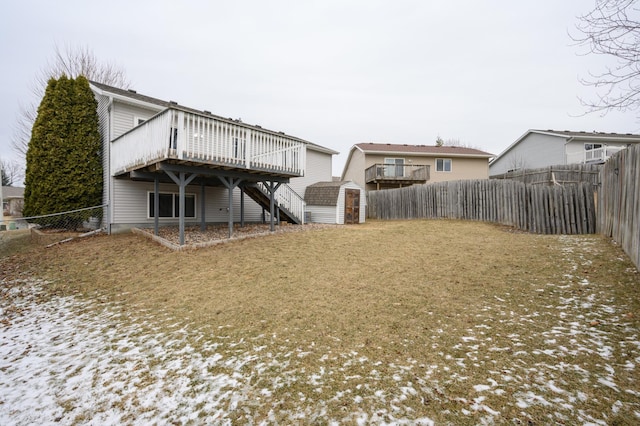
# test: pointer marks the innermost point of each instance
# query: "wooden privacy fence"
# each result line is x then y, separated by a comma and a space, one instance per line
568, 209
552, 175
619, 202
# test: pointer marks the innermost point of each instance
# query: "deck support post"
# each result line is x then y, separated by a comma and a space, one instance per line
156, 206
203, 220
272, 187
231, 184
182, 181
241, 207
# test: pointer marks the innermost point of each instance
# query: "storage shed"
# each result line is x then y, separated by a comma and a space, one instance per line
340, 203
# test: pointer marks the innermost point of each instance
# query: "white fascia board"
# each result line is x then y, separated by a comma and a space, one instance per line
319, 148
593, 138
127, 99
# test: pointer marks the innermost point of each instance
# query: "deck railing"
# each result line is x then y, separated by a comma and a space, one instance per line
397, 172
289, 199
199, 138
595, 155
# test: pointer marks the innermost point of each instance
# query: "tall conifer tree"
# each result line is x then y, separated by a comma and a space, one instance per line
64, 167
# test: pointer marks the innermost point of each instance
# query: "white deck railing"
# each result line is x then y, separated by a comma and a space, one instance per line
596, 155
199, 138
289, 199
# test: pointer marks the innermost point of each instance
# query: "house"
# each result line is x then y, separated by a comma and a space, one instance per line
12, 201
165, 163
543, 148
381, 166
335, 202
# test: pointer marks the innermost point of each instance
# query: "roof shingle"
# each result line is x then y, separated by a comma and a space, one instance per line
422, 149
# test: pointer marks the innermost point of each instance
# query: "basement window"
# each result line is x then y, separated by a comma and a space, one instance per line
169, 205
443, 164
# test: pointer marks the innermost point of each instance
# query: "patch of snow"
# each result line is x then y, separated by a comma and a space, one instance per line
480, 388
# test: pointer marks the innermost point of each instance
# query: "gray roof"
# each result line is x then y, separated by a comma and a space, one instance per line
594, 134
132, 94
323, 193
422, 149
565, 135
12, 192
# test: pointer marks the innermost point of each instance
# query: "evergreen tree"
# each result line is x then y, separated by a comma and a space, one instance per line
5, 177
64, 167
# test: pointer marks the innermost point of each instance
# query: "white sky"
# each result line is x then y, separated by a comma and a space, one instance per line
332, 72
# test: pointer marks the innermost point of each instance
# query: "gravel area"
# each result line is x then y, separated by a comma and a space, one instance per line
213, 234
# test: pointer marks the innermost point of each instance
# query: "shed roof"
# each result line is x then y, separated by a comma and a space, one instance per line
323, 193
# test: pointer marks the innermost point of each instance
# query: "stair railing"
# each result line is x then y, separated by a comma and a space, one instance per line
287, 198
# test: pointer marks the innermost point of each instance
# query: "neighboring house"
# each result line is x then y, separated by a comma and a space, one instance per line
335, 202
542, 148
12, 201
382, 166
165, 164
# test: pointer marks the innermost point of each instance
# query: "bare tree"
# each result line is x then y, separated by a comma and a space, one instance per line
459, 143
11, 172
516, 163
612, 29
69, 61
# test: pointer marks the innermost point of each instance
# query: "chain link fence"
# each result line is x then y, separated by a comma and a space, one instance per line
80, 220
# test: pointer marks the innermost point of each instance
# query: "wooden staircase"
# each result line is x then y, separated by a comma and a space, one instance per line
285, 209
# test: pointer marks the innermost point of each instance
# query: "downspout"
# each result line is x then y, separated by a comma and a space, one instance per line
108, 171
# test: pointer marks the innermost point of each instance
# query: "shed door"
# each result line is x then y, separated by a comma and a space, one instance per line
351, 206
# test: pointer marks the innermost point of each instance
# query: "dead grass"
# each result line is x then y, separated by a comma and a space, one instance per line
465, 297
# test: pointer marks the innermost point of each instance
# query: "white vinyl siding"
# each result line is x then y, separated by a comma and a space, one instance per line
131, 204
125, 114
323, 214
318, 169
534, 151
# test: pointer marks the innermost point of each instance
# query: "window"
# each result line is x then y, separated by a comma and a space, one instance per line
394, 167
138, 121
592, 146
169, 205
443, 164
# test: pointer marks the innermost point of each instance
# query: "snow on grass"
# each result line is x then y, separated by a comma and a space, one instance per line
66, 361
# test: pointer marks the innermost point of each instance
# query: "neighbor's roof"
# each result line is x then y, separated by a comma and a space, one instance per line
134, 97
417, 150
589, 135
12, 192
568, 135
323, 193
390, 148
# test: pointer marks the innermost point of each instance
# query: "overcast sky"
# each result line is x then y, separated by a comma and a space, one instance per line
332, 72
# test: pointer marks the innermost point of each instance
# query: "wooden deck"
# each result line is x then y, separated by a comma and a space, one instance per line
199, 140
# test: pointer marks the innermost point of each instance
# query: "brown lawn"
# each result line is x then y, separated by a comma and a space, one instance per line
456, 322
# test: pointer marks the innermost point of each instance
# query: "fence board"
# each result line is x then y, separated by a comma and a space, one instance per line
619, 201
535, 208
